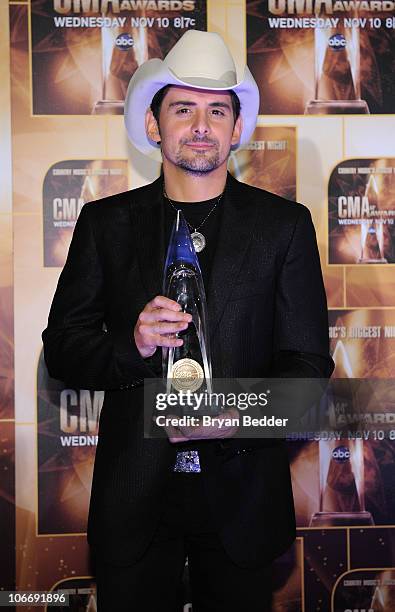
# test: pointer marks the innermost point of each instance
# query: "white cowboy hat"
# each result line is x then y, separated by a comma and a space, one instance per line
198, 59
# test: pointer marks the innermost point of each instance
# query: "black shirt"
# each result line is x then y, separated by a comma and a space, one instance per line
195, 213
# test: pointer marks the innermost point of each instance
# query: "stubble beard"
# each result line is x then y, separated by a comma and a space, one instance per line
199, 163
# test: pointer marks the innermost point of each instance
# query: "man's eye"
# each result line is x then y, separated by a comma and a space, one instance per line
215, 110
181, 110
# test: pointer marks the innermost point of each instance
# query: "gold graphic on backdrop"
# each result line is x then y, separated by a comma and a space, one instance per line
68, 185
372, 231
123, 50
361, 217
337, 86
268, 161
342, 461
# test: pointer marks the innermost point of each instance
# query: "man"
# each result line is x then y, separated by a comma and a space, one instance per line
230, 508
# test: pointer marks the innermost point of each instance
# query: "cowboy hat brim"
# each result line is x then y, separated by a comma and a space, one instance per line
154, 74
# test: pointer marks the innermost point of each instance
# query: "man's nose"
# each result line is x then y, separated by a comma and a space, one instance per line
200, 124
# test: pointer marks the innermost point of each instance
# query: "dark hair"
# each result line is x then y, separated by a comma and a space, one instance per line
158, 99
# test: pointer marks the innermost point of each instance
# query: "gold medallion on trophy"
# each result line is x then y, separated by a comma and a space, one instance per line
187, 375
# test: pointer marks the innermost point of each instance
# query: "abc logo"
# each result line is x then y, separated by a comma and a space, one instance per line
341, 454
124, 41
337, 42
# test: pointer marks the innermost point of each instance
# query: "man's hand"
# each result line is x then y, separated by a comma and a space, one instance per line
204, 432
158, 325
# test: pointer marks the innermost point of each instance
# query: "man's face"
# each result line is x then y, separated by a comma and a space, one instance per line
196, 128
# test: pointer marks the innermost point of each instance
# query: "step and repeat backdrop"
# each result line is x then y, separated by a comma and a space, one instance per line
325, 137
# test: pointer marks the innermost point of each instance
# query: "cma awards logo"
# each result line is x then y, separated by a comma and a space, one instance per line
80, 413
124, 41
337, 42
341, 454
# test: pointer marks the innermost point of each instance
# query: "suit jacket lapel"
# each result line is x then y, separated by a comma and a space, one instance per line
147, 216
238, 218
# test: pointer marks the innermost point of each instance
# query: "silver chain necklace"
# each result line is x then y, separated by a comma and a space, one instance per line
199, 241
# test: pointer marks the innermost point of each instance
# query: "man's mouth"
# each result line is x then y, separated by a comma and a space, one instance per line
200, 145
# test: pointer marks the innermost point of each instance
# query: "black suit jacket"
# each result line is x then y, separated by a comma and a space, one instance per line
267, 316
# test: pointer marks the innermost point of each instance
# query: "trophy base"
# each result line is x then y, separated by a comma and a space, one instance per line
336, 107
108, 107
365, 260
341, 519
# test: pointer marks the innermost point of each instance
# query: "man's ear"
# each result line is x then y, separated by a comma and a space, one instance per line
151, 127
237, 129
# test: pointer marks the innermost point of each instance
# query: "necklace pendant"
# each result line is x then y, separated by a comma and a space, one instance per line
199, 241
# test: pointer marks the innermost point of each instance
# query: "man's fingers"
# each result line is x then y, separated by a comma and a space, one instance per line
168, 341
157, 325
164, 314
150, 342
202, 432
174, 434
161, 327
160, 301
158, 340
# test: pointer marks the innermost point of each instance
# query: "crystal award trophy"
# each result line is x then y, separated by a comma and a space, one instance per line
342, 484
186, 367
341, 459
337, 86
118, 61
372, 230
372, 241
